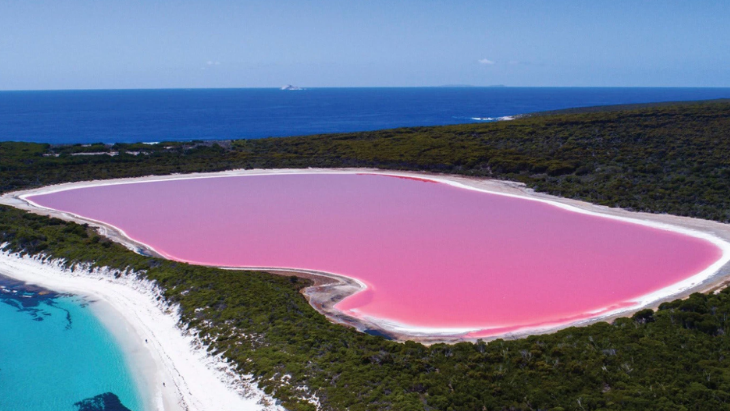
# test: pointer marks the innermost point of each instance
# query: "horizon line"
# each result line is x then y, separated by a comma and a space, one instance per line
304, 88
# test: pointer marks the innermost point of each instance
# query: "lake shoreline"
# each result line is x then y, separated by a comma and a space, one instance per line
333, 287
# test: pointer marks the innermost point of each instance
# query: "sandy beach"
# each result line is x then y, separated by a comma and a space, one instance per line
333, 287
157, 350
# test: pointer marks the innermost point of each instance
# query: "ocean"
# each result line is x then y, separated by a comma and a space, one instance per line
55, 355
109, 116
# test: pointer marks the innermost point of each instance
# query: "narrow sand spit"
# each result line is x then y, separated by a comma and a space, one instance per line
158, 351
330, 288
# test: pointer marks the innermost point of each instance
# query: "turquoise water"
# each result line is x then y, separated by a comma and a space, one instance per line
55, 355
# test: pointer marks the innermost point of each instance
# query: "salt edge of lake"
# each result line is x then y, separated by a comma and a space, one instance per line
711, 277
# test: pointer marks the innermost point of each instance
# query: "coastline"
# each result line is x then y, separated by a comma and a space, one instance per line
146, 328
333, 287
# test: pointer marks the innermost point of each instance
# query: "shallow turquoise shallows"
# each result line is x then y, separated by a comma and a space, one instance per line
55, 355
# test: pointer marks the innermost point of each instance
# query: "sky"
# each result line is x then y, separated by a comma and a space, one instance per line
74, 44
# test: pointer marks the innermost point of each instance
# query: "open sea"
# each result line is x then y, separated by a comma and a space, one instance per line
109, 116
55, 355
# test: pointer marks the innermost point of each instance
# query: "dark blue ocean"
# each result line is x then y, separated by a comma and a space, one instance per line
110, 116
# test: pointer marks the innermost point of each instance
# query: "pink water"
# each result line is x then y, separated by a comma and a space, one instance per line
432, 255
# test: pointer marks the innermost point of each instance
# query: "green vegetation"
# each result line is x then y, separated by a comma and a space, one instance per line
661, 159
669, 158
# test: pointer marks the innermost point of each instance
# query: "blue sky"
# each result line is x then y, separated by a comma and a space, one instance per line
51, 44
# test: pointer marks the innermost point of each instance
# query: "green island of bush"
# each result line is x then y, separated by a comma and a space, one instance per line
671, 158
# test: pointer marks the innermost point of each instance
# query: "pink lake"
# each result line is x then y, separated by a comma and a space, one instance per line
432, 255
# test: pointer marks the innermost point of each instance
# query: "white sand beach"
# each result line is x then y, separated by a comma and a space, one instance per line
173, 370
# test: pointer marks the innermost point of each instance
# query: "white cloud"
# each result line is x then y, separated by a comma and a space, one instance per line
486, 61
213, 63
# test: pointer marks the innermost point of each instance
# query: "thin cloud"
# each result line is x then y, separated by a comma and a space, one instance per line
486, 61
212, 64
